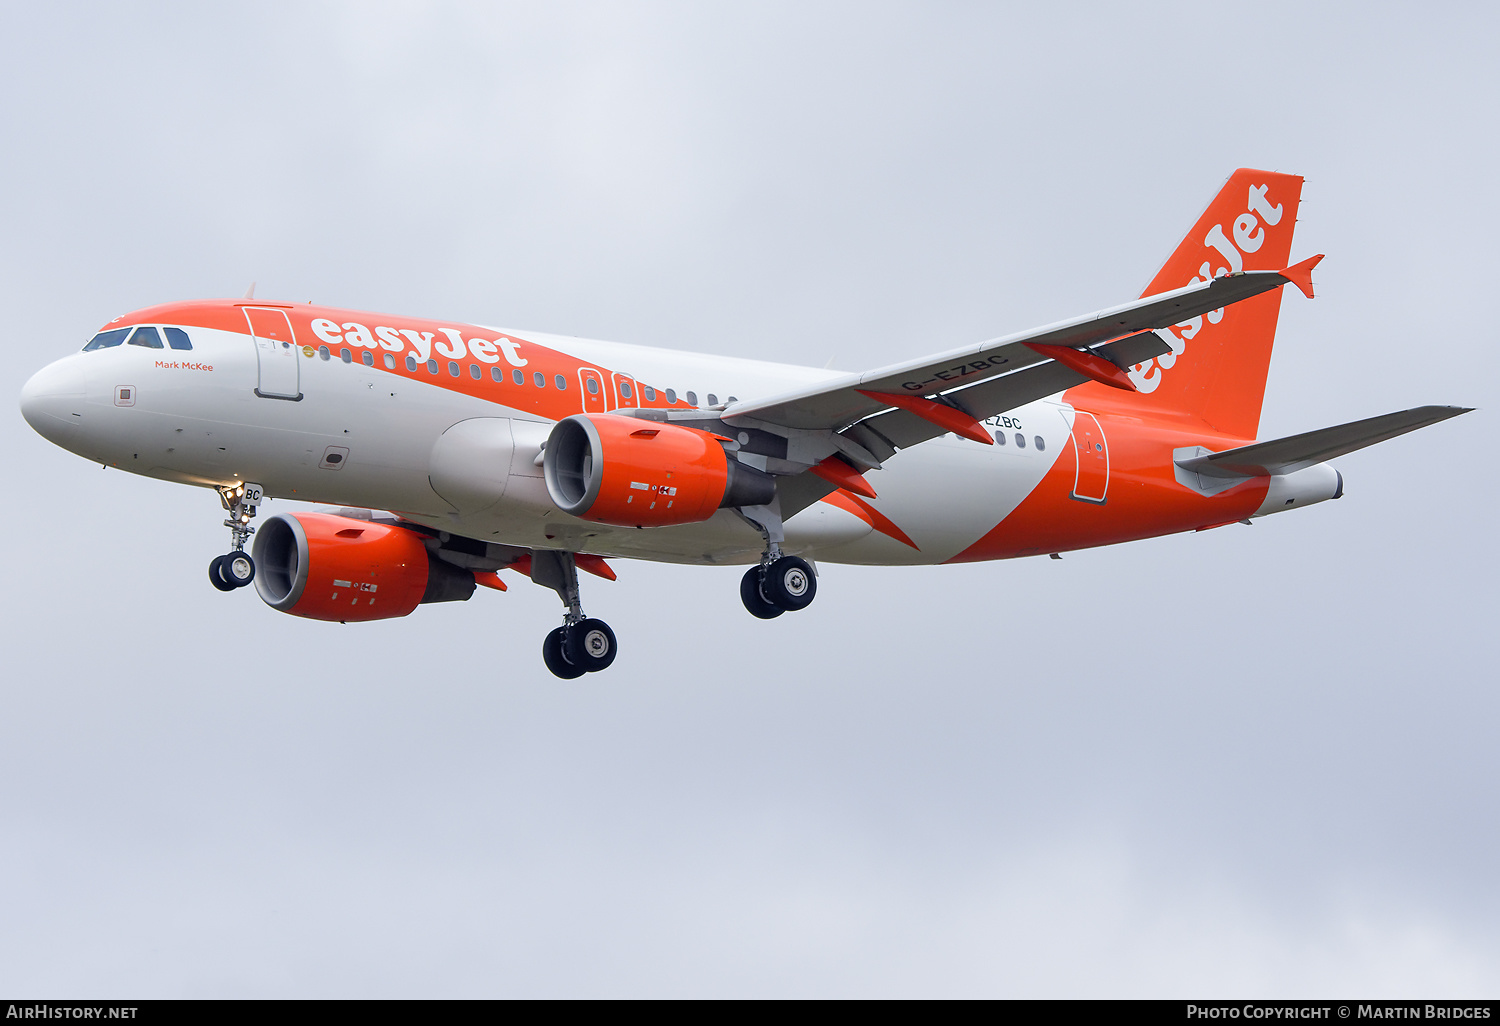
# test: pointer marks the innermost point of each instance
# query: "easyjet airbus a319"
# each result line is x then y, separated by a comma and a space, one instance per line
503, 450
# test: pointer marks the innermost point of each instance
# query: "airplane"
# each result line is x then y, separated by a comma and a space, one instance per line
456, 451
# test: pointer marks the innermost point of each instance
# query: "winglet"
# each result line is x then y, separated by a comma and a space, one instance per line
1090, 365
1300, 274
941, 414
836, 471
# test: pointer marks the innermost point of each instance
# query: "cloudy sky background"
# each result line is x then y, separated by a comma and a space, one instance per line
1255, 761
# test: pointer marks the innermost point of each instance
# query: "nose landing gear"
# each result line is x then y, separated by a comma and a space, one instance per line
231, 571
235, 569
582, 644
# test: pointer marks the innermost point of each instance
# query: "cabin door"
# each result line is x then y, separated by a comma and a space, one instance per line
276, 351
1091, 482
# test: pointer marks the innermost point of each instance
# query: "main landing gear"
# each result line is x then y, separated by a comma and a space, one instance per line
235, 569
780, 583
582, 644
784, 584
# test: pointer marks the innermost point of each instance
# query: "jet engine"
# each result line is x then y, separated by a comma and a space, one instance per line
328, 567
639, 473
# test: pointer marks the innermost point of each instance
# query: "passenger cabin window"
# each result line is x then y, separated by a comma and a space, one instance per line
624, 390
148, 337
671, 396
593, 386
649, 393
692, 398
517, 376
539, 379
106, 339
497, 374
561, 383
713, 400
177, 338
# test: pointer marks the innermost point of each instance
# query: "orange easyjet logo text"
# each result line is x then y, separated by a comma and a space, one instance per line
422, 344
1248, 237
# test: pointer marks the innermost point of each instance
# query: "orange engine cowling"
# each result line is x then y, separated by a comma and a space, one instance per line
328, 567
639, 473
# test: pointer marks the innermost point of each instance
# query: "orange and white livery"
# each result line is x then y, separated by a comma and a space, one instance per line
500, 450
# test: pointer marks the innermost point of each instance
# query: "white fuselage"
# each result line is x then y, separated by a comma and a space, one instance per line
362, 437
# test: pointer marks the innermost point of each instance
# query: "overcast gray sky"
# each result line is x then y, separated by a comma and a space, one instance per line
1254, 761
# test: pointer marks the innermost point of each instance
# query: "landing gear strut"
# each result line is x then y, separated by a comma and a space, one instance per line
235, 569
780, 583
582, 644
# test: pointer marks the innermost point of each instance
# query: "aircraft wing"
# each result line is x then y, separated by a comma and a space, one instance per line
1040, 377
879, 436
1004, 373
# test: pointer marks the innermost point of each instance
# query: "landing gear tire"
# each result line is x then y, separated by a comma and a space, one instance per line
216, 574
553, 655
790, 584
755, 602
590, 644
237, 568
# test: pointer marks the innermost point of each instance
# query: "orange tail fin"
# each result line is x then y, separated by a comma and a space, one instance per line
1216, 372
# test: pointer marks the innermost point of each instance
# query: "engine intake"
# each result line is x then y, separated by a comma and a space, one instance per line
635, 473
328, 567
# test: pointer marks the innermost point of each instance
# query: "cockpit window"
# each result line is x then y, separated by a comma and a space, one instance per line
178, 339
148, 337
105, 339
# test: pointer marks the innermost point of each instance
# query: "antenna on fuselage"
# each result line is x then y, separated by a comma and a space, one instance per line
250, 292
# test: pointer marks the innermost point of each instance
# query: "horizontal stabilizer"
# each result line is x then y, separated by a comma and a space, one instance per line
1297, 452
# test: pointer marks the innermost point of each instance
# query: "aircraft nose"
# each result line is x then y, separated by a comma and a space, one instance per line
52, 401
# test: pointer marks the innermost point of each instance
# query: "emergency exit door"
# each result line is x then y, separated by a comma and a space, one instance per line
1091, 482
592, 386
625, 392
276, 353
